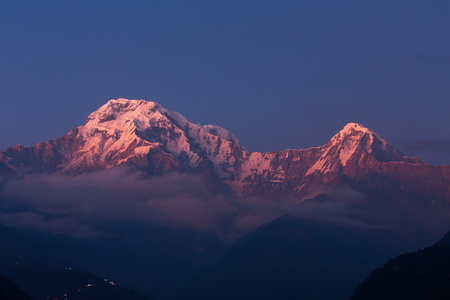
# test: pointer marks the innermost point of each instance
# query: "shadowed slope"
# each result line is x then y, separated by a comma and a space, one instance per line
424, 274
296, 259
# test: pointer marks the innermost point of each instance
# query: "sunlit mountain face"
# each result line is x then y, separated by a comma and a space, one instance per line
141, 195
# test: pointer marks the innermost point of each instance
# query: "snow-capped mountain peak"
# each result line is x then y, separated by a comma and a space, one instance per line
115, 110
351, 127
355, 135
355, 143
125, 130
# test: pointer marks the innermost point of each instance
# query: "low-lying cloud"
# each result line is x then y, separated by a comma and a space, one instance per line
81, 206
75, 205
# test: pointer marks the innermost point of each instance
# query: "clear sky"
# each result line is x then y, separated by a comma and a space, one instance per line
278, 74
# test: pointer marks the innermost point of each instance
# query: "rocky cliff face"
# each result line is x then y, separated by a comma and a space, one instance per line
145, 136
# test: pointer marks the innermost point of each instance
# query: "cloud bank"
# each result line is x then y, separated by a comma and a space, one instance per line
85, 206
81, 206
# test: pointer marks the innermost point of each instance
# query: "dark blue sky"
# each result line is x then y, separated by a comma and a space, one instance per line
279, 74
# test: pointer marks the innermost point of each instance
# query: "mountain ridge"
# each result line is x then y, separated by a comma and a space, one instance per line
145, 136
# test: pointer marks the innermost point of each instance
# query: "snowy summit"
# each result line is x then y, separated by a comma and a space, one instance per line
144, 135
